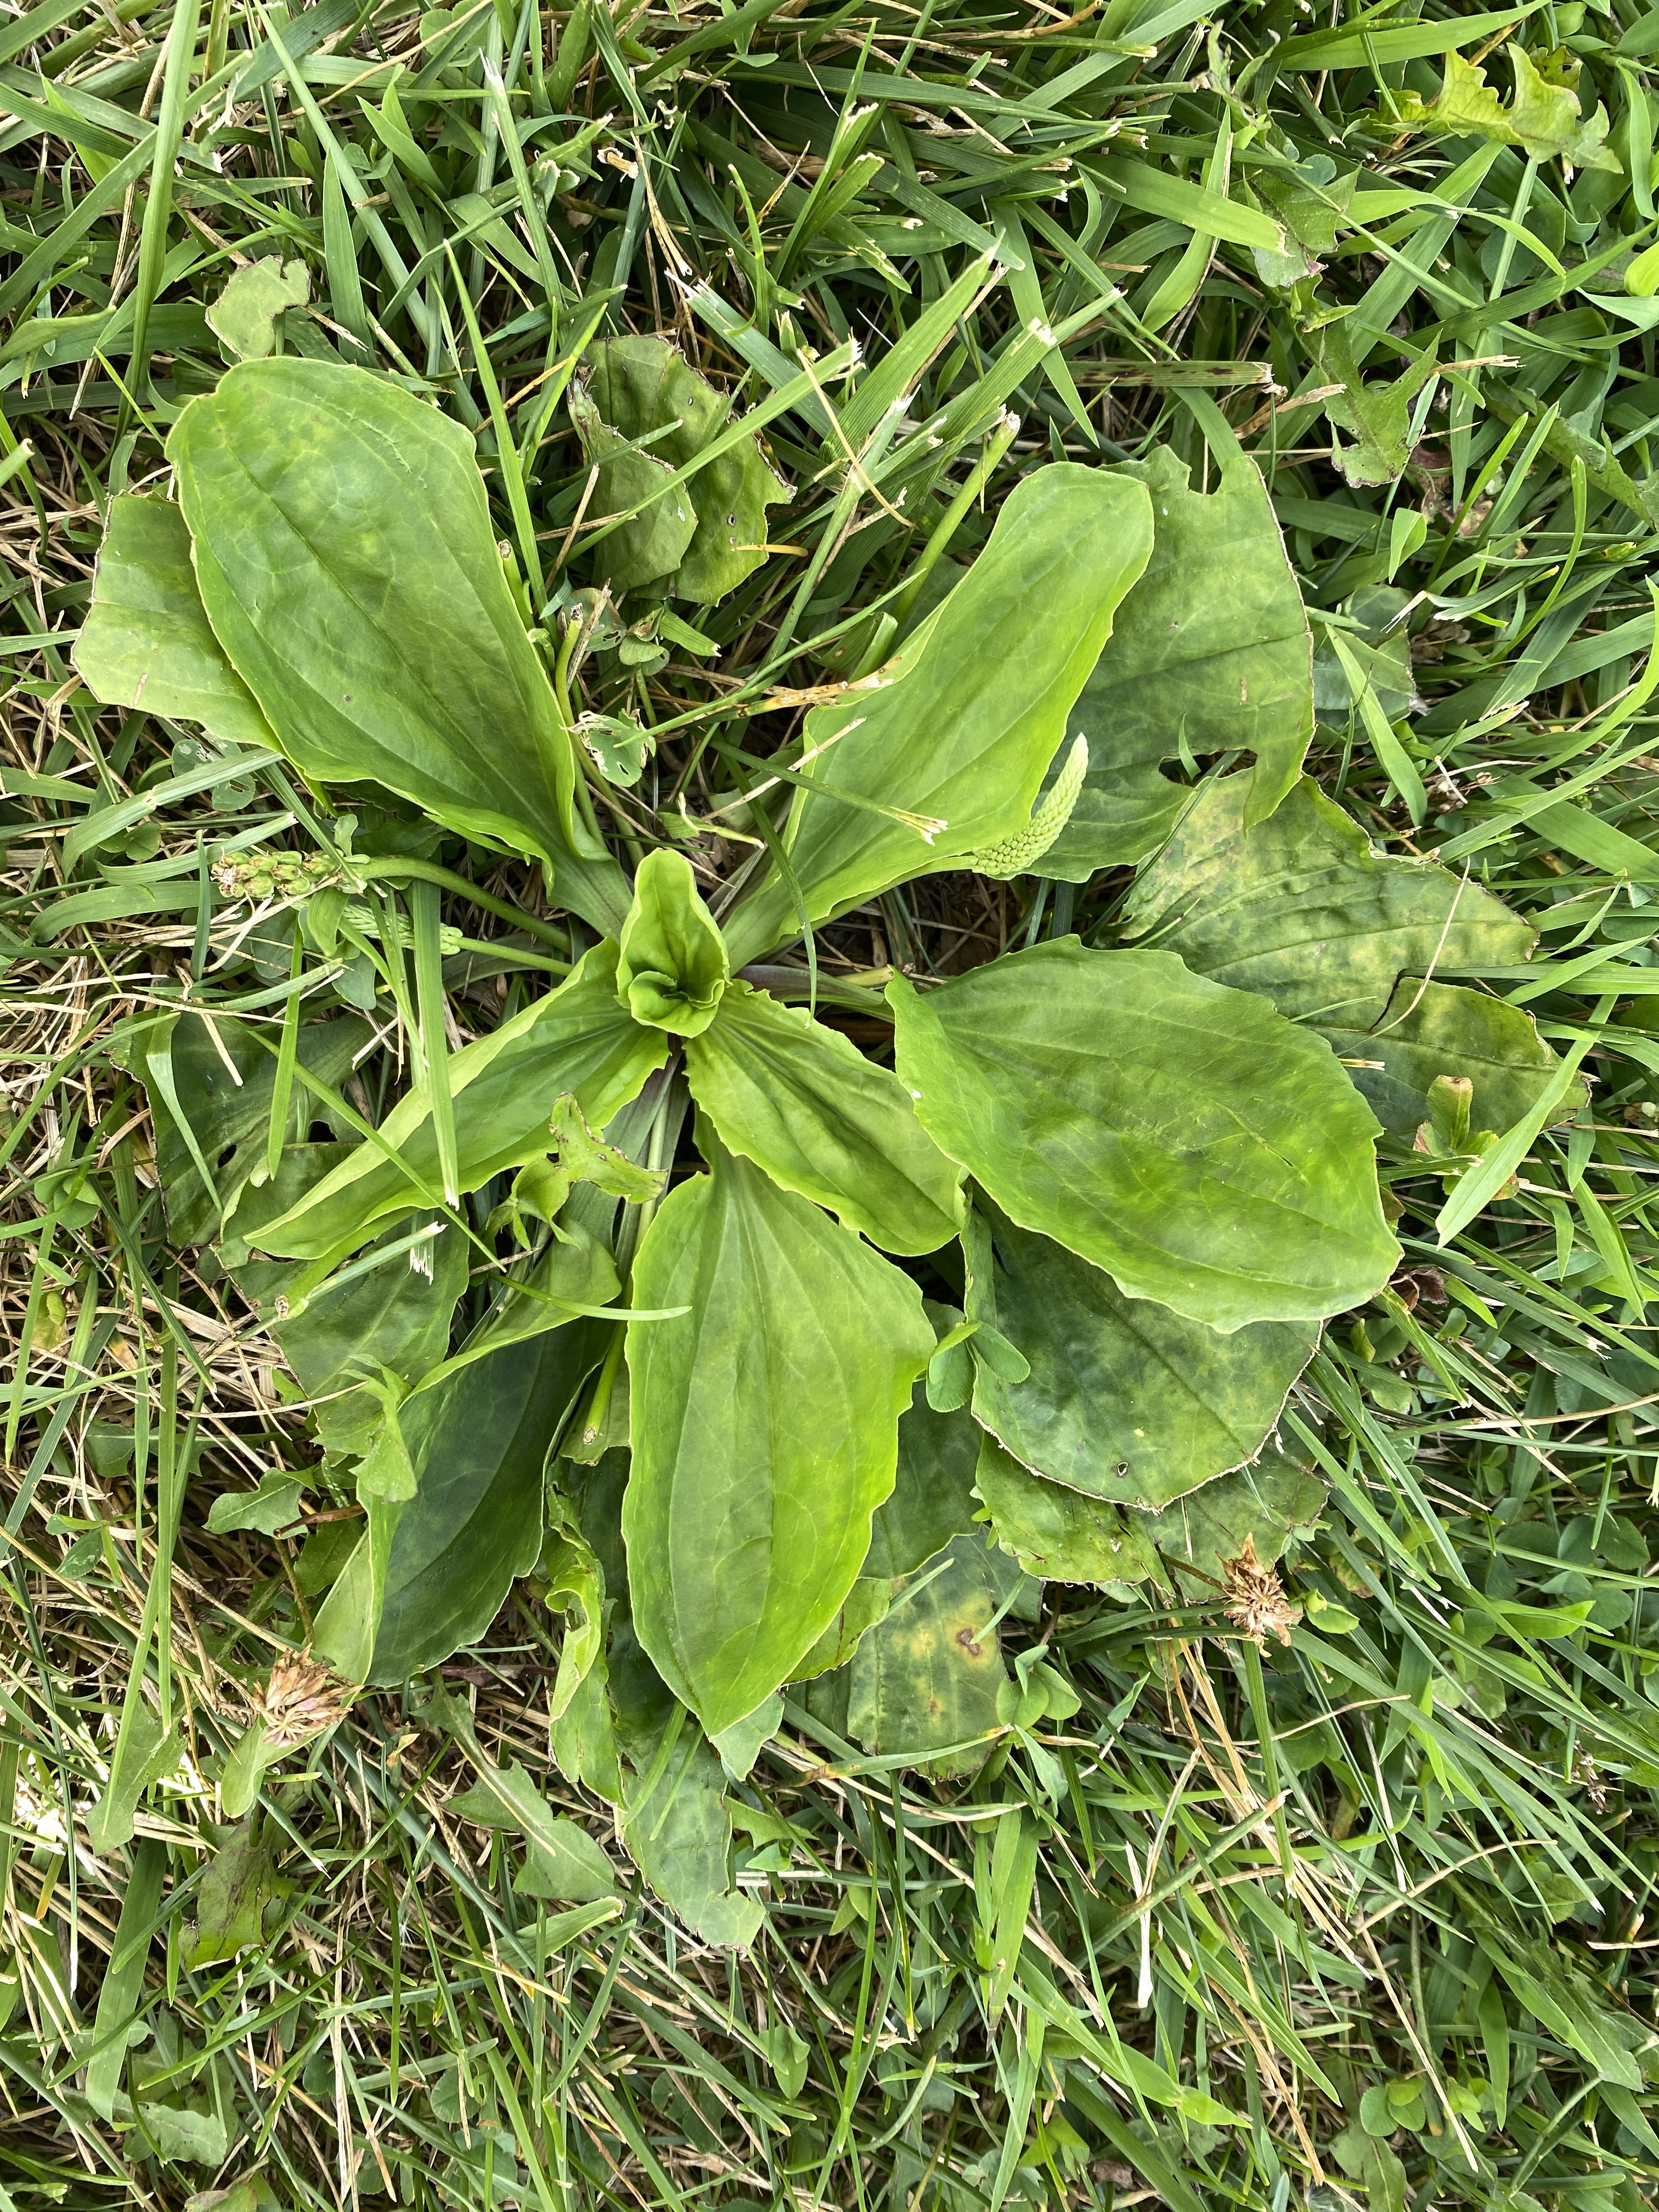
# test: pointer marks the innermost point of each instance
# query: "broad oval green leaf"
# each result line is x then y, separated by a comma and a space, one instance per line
797, 1099
764, 1427
1211, 645
478, 1439
147, 642
1205, 1152
671, 965
577, 1040
960, 729
344, 553
1304, 910
1125, 1399
561, 1862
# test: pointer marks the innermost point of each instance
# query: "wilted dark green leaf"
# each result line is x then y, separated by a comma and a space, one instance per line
228, 1108
1303, 910
235, 1891
639, 385
395, 1317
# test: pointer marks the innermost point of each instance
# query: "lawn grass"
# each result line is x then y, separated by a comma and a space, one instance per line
1358, 1918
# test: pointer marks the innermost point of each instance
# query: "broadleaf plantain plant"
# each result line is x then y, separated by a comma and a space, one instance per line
1151, 1156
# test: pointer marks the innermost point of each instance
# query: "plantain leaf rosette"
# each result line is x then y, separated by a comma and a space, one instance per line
714, 1397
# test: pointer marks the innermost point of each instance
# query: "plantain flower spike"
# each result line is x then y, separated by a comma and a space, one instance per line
1014, 856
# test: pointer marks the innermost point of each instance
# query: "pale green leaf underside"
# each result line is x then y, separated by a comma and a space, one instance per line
1125, 1399
1302, 908
764, 1426
1544, 118
577, 1039
1212, 645
802, 1102
147, 643
244, 316
962, 732
1204, 1151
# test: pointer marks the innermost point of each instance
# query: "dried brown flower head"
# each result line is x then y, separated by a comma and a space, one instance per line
1256, 1603
301, 1700
1415, 1286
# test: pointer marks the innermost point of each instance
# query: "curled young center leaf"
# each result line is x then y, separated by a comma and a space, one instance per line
1202, 1149
672, 967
